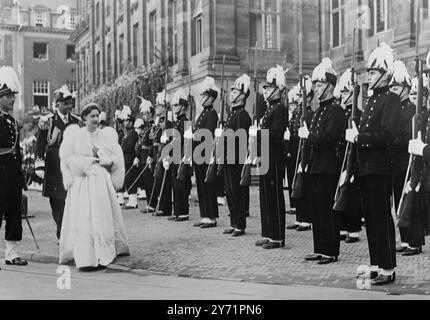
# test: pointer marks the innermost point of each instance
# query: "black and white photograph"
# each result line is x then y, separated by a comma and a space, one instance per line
215, 155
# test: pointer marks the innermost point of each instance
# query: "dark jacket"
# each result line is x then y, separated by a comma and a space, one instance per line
10, 154
144, 144
50, 151
208, 119
325, 133
275, 120
128, 147
378, 127
237, 119
156, 134
400, 154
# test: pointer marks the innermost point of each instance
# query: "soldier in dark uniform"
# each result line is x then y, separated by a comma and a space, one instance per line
401, 84
11, 176
238, 122
272, 201
160, 140
143, 150
181, 188
350, 224
303, 206
206, 192
378, 127
323, 137
49, 142
128, 145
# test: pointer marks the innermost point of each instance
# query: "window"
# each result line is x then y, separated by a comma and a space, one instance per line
108, 10
41, 93
97, 15
135, 44
40, 51
265, 24
40, 18
426, 4
72, 21
379, 10
121, 53
1, 49
152, 35
173, 24
109, 61
337, 22
70, 52
197, 32
120, 6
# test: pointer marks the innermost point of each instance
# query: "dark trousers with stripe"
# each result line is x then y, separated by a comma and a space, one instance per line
57, 207
303, 206
10, 210
181, 192
164, 194
206, 193
236, 196
130, 178
381, 234
272, 203
351, 218
325, 222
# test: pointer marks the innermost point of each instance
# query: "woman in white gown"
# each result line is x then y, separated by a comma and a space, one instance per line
92, 164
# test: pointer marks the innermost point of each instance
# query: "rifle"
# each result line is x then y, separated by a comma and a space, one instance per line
212, 168
245, 180
341, 195
406, 208
188, 145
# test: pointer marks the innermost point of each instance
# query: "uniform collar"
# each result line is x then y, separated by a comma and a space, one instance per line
327, 102
237, 107
406, 102
181, 116
382, 90
208, 107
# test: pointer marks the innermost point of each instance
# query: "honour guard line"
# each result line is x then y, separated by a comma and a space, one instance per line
343, 164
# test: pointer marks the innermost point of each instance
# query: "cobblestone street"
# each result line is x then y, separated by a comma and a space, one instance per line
171, 248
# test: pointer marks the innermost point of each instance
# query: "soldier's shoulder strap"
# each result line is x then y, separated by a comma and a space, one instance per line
76, 117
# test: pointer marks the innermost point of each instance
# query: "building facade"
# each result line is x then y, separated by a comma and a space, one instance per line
34, 40
390, 21
197, 33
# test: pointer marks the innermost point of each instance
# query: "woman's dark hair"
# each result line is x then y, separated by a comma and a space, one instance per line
88, 109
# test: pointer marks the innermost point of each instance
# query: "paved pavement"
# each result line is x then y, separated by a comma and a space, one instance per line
179, 249
42, 281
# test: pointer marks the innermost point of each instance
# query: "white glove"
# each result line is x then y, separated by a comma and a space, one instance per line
149, 161
351, 135
287, 135
416, 147
136, 162
105, 161
256, 161
164, 138
166, 165
218, 133
342, 179
300, 169
189, 134
304, 131
253, 131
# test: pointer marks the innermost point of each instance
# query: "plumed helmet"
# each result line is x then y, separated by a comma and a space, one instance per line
180, 98
382, 59
9, 82
276, 76
414, 86
63, 94
103, 117
161, 98
208, 86
345, 83
325, 72
400, 75
243, 84
125, 113
145, 106
139, 123
293, 94
117, 114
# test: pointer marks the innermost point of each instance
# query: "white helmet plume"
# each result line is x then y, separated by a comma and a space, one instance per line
382, 59
145, 106
243, 83
9, 81
400, 75
325, 72
276, 76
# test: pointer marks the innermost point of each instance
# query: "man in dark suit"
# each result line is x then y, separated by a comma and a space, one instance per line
323, 138
206, 192
49, 142
378, 127
11, 176
350, 224
272, 201
238, 122
401, 85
